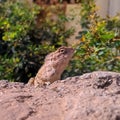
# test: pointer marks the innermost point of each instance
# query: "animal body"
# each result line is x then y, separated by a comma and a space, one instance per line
54, 65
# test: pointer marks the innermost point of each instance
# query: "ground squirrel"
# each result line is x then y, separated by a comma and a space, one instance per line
54, 65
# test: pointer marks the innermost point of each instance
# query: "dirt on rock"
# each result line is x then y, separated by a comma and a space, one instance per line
70, 99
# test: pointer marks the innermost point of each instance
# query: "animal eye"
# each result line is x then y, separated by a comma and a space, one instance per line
62, 50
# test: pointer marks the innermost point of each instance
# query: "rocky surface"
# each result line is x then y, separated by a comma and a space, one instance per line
75, 98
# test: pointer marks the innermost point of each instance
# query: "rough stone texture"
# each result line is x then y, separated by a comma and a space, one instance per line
93, 96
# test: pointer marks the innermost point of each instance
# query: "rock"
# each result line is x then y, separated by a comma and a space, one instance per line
75, 98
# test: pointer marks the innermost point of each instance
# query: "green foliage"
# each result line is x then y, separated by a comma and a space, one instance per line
14, 20
88, 8
27, 34
51, 21
99, 47
98, 50
114, 24
17, 18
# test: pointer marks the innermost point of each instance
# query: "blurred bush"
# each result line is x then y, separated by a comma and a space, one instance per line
27, 33
99, 42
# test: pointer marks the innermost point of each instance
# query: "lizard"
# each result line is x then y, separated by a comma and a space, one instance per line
53, 67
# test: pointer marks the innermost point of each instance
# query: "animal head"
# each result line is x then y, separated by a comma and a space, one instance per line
61, 56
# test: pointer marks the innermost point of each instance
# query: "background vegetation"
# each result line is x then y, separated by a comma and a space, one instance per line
28, 32
99, 42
